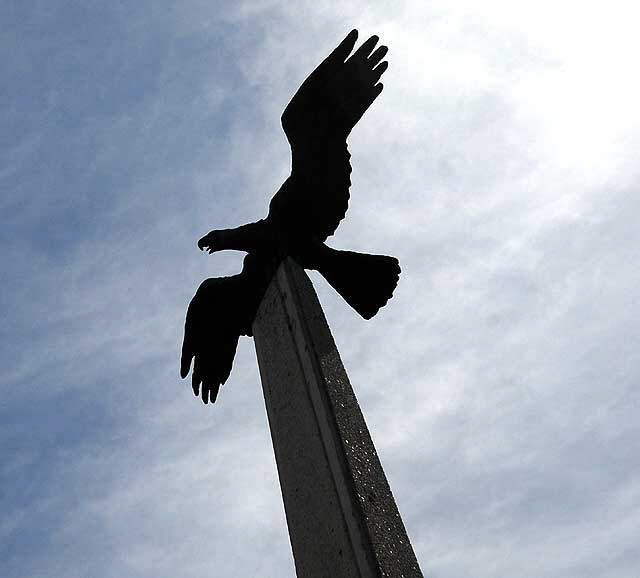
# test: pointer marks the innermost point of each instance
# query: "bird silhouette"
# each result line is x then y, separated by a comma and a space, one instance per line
303, 213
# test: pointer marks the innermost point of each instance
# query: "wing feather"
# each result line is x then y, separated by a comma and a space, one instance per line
336, 94
211, 333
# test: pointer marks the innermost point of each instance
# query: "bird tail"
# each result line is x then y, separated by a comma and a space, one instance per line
366, 282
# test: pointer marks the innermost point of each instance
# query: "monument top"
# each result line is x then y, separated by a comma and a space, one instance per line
303, 214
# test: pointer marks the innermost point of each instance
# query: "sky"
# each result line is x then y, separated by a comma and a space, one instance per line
500, 384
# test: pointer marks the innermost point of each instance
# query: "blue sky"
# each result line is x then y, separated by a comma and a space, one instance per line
501, 382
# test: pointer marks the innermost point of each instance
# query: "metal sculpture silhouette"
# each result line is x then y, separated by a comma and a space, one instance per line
304, 212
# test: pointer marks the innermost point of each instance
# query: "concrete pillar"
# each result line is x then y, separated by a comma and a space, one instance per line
342, 518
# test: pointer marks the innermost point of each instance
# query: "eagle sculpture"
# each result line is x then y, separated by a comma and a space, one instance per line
303, 213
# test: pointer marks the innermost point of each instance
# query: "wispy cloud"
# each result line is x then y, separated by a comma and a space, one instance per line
500, 383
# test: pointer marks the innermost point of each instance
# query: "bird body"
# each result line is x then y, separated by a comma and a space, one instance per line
304, 212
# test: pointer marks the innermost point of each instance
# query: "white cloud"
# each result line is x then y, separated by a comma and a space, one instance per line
499, 383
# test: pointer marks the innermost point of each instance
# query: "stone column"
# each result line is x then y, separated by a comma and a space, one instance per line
342, 518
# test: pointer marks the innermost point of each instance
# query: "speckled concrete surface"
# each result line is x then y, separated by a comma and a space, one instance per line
343, 521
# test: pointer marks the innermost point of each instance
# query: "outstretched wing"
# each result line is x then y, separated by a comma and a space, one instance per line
211, 332
318, 121
222, 310
336, 94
